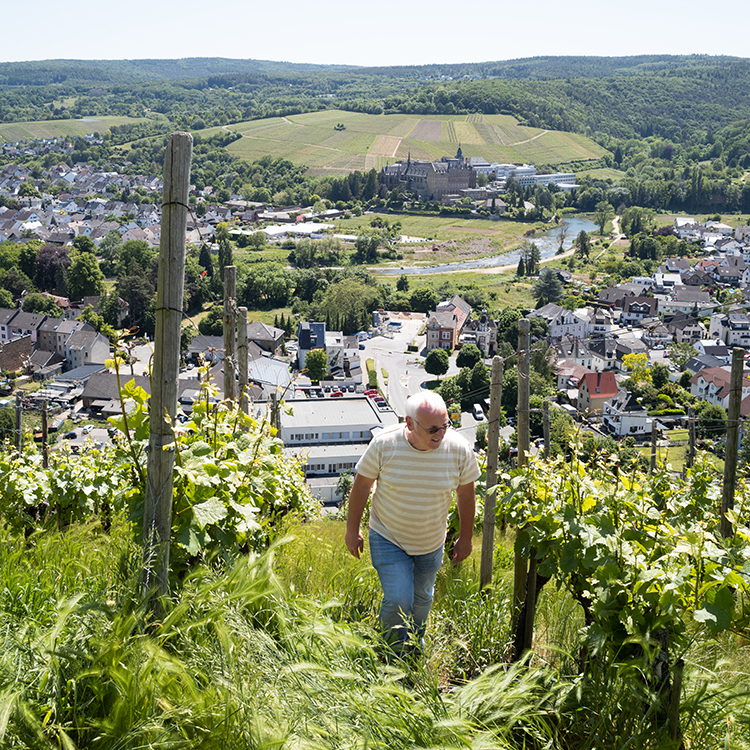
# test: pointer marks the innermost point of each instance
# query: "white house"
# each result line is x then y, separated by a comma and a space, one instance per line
623, 416
712, 385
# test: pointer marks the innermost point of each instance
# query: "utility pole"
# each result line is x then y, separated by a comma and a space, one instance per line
490, 496
733, 428
157, 515
230, 293
242, 357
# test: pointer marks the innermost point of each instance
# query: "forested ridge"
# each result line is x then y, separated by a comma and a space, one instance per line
676, 97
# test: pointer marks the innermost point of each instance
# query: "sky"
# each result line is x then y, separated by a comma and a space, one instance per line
388, 32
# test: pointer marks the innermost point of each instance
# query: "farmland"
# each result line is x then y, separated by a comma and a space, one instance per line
18, 131
371, 141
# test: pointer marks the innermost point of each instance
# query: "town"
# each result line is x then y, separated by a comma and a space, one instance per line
670, 324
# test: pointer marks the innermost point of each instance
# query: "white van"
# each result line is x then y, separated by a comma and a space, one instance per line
478, 413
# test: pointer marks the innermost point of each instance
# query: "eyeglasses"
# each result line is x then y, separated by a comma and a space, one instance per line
435, 430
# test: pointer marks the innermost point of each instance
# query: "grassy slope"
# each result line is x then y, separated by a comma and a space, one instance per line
17, 131
370, 141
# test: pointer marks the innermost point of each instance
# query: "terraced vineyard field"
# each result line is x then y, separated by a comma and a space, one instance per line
371, 141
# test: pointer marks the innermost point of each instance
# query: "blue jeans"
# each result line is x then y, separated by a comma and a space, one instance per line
408, 583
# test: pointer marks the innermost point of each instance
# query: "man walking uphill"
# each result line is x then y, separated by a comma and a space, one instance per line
415, 468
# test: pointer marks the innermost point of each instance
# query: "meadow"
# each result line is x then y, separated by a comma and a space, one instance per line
371, 141
18, 131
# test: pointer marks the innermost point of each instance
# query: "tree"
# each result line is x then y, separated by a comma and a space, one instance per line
531, 256
138, 292
85, 278
316, 364
109, 251
344, 487
350, 302
423, 299
479, 383
681, 354
7, 423
84, 244
583, 244
602, 214
402, 285
549, 287
51, 262
42, 305
27, 259
135, 256
639, 367
711, 420
468, 356
16, 282
6, 299
225, 257
205, 261
450, 390
659, 375
437, 362
212, 323
27, 189
366, 246
187, 334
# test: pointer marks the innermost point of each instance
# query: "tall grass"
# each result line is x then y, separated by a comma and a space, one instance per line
282, 651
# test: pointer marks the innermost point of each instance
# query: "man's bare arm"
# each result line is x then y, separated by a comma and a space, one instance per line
358, 497
466, 504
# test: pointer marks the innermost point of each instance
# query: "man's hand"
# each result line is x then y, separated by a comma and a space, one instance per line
461, 549
355, 543
358, 497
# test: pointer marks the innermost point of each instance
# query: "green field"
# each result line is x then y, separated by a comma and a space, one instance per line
20, 131
370, 141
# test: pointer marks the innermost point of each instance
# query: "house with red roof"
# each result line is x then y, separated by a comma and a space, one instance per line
596, 388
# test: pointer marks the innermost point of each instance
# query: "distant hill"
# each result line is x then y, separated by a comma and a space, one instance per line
77, 72
98, 72
683, 99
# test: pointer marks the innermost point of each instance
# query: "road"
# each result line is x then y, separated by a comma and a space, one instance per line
406, 373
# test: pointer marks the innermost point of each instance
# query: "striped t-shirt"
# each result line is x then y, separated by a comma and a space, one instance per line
415, 488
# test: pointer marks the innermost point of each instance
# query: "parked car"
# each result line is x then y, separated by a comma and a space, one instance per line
87, 429
478, 413
337, 394
70, 435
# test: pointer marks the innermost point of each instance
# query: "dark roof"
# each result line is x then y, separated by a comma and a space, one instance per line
625, 401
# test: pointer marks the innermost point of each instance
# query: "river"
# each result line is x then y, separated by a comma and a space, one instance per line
548, 243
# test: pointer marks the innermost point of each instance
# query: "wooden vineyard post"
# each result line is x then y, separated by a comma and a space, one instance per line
493, 438
524, 340
230, 327
733, 428
157, 516
242, 358
691, 436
